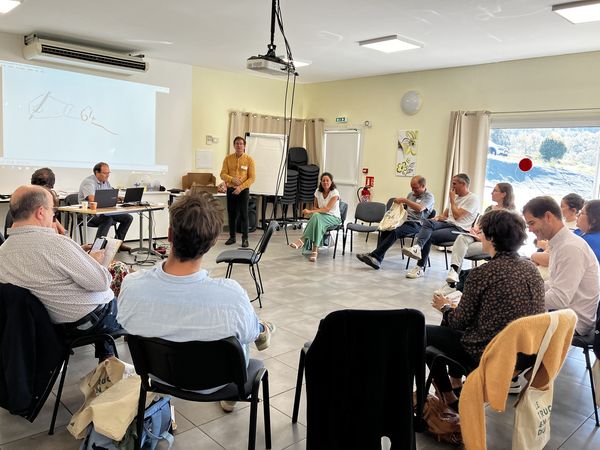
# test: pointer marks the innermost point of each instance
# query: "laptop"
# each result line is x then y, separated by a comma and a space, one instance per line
133, 196
106, 198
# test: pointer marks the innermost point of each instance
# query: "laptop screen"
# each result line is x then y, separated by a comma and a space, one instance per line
133, 195
106, 198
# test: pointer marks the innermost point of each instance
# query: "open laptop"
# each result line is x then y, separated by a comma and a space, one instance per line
133, 196
106, 198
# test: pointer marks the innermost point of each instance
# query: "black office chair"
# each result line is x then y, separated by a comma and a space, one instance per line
338, 228
369, 212
251, 258
587, 343
180, 368
361, 389
8, 221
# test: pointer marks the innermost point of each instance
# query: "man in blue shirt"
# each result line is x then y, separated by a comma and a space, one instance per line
177, 300
87, 191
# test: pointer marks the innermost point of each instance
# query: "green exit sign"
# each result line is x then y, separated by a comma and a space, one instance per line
341, 119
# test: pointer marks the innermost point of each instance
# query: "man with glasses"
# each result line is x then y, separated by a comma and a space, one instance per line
459, 216
72, 284
87, 191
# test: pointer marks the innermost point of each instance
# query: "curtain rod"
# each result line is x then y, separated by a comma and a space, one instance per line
547, 111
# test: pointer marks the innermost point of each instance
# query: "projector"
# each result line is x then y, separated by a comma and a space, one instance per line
270, 65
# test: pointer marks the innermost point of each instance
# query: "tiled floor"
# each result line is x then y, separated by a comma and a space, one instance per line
298, 294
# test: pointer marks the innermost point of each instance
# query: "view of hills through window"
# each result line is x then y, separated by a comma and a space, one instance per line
564, 160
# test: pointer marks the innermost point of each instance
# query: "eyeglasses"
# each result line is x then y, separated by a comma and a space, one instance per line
105, 173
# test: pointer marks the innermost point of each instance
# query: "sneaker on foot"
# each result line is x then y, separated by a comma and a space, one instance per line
452, 276
415, 272
230, 241
518, 383
227, 406
412, 252
445, 290
369, 260
264, 338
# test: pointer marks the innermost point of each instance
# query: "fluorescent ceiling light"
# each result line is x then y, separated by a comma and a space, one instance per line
390, 44
297, 62
8, 5
579, 12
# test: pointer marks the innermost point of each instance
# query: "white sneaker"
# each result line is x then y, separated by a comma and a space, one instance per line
518, 384
227, 406
452, 276
415, 272
445, 290
412, 252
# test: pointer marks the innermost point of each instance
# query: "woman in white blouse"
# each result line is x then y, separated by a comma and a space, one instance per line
325, 213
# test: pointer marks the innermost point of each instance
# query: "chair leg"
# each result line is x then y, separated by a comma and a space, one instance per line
253, 418
344, 236
228, 271
61, 383
262, 289
253, 275
139, 423
446, 256
588, 365
337, 235
351, 240
267, 410
298, 393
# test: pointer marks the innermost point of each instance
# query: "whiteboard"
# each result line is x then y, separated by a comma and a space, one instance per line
268, 152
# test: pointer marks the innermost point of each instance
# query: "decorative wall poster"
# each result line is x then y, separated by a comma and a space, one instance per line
406, 155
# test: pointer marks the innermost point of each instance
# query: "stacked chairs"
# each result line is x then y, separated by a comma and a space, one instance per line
297, 156
308, 180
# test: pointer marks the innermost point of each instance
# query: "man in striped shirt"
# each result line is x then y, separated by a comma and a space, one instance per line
72, 284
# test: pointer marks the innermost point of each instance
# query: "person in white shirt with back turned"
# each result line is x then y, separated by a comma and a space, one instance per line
574, 274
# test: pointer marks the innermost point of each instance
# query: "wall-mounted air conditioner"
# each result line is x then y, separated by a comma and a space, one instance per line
40, 49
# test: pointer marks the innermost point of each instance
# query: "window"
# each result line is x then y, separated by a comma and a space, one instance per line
565, 159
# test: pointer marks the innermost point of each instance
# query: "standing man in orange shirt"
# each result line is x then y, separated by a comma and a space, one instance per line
238, 174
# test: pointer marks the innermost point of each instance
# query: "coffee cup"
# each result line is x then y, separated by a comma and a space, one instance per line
93, 206
84, 205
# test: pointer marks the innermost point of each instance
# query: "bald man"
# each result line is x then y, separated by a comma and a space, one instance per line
72, 284
419, 204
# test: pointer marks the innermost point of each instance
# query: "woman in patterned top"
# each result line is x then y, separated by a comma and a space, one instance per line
494, 295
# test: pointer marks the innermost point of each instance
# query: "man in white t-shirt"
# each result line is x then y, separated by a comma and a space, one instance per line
463, 210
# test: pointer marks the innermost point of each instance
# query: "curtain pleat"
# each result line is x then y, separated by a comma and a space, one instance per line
467, 149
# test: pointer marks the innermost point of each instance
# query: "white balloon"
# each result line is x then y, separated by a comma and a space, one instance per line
411, 102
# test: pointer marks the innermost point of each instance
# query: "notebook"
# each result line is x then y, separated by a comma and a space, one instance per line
106, 198
133, 196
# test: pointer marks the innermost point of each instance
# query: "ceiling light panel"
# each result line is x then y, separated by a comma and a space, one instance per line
8, 5
390, 44
579, 12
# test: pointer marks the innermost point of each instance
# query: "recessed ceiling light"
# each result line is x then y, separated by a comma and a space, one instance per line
390, 44
297, 62
579, 12
8, 5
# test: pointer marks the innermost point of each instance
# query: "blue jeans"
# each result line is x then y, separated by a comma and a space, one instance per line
434, 232
388, 238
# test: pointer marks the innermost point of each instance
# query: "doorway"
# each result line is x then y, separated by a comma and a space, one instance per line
342, 157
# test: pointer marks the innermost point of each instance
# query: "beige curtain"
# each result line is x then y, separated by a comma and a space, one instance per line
315, 132
467, 149
241, 123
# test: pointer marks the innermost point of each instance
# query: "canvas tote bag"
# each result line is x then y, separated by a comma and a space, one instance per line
393, 218
533, 408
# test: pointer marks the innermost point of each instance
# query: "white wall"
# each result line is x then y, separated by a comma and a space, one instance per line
173, 124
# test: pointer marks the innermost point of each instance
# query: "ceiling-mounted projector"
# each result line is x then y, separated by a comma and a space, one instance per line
271, 65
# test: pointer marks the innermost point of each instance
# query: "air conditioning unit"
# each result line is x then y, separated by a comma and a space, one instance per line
39, 49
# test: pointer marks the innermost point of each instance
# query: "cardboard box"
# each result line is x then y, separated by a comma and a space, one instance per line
206, 181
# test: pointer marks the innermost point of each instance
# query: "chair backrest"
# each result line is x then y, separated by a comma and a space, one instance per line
8, 222
369, 212
297, 156
193, 366
356, 387
261, 247
72, 199
596, 345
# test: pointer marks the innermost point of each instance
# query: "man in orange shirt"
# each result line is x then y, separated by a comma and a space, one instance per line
238, 174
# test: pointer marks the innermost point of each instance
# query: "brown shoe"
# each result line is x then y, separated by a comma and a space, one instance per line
125, 248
